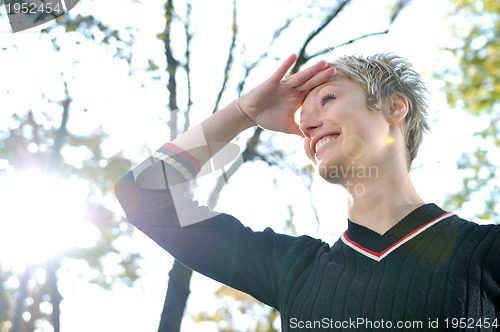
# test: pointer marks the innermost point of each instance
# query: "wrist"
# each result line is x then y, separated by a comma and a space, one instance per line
250, 121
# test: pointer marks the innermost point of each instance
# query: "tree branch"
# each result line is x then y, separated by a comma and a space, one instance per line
61, 133
251, 66
397, 10
187, 65
172, 65
302, 57
327, 50
230, 57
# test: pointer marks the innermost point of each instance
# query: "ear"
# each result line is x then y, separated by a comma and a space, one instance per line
397, 108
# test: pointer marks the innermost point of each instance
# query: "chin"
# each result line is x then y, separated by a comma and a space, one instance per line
346, 171
331, 174
331, 179
331, 170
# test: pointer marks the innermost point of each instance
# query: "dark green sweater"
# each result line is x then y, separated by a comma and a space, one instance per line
432, 271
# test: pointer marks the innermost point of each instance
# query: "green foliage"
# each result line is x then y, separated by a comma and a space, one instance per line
117, 41
475, 86
477, 24
236, 304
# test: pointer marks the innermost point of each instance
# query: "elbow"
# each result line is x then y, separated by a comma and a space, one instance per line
143, 206
128, 193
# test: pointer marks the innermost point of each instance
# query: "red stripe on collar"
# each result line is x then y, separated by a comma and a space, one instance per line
378, 256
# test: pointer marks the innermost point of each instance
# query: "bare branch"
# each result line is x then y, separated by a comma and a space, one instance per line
187, 65
62, 132
172, 65
250, 152
251, 66
396, 11
230, 57
398, 7
327, 50
221, 182
302, 57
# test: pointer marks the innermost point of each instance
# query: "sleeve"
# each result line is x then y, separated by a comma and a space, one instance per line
214, 244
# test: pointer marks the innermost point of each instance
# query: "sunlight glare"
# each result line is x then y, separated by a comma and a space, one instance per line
41, 216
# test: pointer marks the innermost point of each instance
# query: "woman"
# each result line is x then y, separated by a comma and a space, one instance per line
401, 263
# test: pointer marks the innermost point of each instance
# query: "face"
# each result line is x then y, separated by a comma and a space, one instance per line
341, 133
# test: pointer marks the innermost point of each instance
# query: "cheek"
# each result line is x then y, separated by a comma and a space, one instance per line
307, 149
364, 138
353, 146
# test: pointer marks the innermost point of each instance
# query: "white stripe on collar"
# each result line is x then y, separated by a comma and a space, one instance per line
378, 256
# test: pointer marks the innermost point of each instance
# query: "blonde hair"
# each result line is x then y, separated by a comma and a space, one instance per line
383, 75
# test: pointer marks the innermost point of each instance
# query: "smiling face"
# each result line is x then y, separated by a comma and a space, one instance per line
341, 133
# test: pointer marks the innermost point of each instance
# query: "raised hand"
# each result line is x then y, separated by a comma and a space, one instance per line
272, 104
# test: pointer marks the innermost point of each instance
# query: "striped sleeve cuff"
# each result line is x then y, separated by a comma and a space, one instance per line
181, 160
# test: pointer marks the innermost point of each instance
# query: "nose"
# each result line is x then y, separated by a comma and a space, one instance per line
309, 126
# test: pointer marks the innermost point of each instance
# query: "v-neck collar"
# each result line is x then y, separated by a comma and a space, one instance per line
376, 246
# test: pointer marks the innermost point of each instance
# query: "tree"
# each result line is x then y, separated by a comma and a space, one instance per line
38, 138
31, 146
474, 86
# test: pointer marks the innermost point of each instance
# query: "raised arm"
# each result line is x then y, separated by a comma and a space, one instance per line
215, 244
271, 105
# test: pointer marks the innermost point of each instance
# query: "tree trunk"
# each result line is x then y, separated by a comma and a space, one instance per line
55, 296
23, 292
176, 298
179, 275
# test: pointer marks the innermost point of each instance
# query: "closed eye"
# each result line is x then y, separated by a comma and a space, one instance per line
326, 98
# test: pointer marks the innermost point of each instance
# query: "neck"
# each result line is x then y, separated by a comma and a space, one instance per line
380, 203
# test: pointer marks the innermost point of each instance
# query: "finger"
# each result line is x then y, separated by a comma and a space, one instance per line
284, 68
318, 79
305, 75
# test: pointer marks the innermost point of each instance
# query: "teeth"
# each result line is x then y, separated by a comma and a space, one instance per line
324, 140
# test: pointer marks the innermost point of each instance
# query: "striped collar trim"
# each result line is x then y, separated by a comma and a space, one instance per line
378, 256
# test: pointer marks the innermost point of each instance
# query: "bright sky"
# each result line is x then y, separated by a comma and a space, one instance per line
113, 100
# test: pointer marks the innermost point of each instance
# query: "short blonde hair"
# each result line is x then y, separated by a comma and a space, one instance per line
383, 75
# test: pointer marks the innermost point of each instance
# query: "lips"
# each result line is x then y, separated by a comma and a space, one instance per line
319, 141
